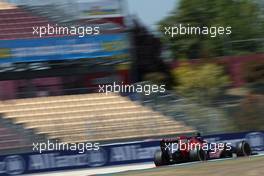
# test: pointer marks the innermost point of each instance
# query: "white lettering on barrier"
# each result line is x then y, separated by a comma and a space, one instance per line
97, 158
132, 152
52, 160
38, 162
14, 165
56, 49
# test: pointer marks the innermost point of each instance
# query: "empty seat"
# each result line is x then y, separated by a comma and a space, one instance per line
90, 116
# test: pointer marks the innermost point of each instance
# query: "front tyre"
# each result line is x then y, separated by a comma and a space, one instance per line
160, 159
243, 149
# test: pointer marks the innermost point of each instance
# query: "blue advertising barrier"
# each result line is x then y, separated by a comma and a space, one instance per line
62, 48
108, 155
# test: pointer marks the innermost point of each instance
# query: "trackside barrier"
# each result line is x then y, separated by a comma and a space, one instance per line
107, 155
62, 48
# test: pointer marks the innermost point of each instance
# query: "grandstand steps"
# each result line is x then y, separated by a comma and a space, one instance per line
92, 120
77, 115
18, 23
131, 134
51, 106
51, 12
61, 99
88, 117
115, 125
30, 134
105, 110
79, 124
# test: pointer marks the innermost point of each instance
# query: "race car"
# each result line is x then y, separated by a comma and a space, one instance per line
188, 149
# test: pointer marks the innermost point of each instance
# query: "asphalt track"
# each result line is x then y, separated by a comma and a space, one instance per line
245, 166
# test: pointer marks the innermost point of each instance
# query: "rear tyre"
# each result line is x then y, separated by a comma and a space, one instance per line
198, 155
160, 159
243, 149
226, 153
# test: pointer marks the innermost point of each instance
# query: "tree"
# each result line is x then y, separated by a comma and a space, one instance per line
244, 16
249, 115
202, 83
147, 55
253, 73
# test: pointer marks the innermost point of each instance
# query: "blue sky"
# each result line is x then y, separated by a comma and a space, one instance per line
151, 11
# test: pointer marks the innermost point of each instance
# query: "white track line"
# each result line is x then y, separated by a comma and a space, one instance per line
101, 170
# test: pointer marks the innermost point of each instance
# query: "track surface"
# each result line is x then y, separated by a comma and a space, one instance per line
95, 171
247, 166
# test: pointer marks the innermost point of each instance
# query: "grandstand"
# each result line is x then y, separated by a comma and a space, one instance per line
52, 12
16, 23
90, 117
93, 117
10, 139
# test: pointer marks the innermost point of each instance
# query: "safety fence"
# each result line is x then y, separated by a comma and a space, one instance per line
107, 155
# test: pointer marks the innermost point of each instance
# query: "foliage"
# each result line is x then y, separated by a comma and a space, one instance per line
201, 82
244, 16
254, 71
146, 54
249, 115
155, 78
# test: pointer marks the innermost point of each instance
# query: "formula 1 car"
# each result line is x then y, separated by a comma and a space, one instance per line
188, 149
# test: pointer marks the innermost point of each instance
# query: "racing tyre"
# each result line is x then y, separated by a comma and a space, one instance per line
226, 153
243, 149
198, 155
160, 159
